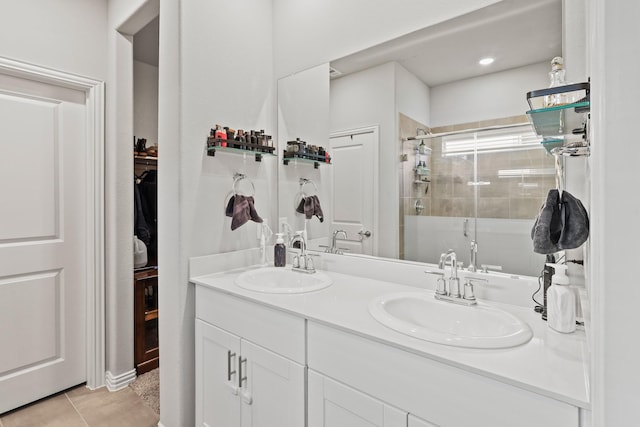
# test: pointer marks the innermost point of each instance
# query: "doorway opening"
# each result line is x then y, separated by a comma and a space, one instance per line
145, 158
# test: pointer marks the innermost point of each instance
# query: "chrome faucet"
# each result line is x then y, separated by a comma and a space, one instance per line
473, 248
334, 248
301, 262
449, 289
453, 290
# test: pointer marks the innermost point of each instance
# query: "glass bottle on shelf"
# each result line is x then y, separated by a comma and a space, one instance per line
557, 78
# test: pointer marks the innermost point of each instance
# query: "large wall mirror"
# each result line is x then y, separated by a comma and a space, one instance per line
396, 189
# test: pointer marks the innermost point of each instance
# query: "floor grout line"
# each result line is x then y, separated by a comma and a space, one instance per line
75, 409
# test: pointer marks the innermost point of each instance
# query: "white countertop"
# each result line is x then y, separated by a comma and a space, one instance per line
551, 364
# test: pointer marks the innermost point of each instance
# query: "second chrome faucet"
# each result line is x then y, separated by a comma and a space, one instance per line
301, 262
449, 289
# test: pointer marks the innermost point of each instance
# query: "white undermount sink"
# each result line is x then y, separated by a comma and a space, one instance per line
420, 315
282, 280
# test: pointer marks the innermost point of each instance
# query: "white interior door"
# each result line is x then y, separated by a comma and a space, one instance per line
354, 159
43, 240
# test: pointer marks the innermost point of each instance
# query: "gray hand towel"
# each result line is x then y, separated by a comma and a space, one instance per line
575, 222
310, 206
241, 209
547, 228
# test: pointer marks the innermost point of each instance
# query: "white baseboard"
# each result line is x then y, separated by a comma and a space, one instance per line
118, 382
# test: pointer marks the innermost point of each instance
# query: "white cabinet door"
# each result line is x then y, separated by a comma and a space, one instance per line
273, 392
332, 404
217, 400
417, 422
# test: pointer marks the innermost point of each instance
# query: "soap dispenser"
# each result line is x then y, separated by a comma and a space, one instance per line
279, 252
561, 301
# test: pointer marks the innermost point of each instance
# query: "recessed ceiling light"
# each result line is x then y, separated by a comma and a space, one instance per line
486, 61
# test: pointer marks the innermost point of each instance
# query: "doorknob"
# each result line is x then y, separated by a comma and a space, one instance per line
364, 234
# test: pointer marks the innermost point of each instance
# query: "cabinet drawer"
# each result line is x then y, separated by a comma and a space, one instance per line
278, 331
442, 394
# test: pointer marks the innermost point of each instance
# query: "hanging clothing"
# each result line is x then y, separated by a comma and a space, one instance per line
148, 189
141, 229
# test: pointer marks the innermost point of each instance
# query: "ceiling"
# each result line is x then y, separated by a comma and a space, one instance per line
145, 43
514, 32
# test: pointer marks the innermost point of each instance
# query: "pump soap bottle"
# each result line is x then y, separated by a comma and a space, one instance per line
279, 252
561, 301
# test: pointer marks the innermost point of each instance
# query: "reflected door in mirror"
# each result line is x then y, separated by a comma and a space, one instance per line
354, 189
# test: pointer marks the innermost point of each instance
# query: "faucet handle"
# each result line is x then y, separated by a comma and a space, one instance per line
440, 282
487, 267
295, 260
437, 273
468, 287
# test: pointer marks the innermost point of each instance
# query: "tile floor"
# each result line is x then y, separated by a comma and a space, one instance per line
81, 407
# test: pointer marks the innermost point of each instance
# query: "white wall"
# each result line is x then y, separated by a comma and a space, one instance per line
303, 112
492, 96
615, 209
375, 97
308, 33
413, 97
68, 36
125, 18
365, 99
211, 71
145, 102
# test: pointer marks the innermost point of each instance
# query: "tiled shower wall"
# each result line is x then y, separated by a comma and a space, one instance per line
410, 192
449, 195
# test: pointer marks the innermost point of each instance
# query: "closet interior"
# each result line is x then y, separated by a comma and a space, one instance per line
145, 158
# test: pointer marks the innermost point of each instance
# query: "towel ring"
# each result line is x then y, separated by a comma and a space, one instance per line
301, 194
305, 181
237, 177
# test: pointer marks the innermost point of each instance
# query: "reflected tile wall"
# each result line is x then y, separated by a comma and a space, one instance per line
410, 191
450, 194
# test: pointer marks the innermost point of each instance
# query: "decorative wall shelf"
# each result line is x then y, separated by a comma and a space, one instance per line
559, 120
557, 124
238, 147
315, 160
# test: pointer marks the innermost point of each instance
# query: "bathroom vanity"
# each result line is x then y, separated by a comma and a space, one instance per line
320, 359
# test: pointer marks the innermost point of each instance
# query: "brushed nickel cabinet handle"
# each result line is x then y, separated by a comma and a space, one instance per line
241, 378
230, 372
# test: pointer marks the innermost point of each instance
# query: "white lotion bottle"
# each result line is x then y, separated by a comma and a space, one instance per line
561, 302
